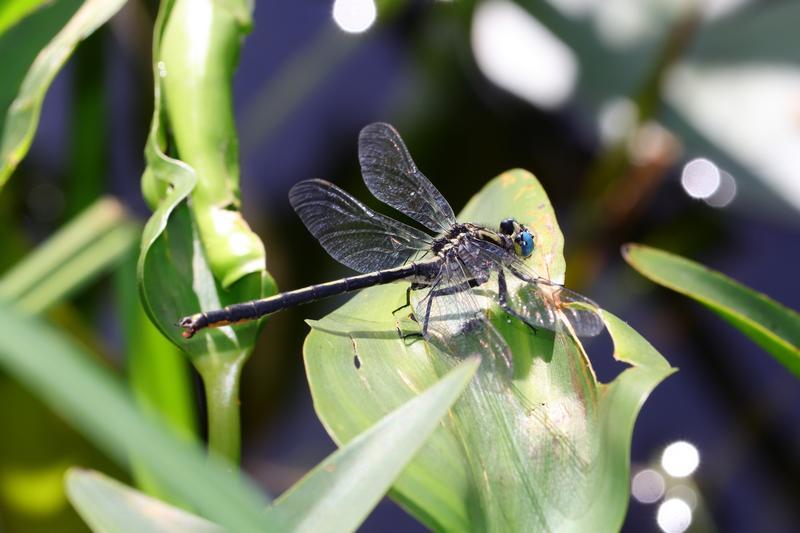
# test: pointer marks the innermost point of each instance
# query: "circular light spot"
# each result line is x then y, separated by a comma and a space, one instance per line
674, 516
354, 16
680, 459
725, 193
647, 486
700, 178
518, 53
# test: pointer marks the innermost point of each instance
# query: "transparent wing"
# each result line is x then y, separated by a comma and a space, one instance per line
393, 178
533, 299
545, 303
352, 233
452, 318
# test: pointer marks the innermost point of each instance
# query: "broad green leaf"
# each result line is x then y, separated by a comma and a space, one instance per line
341, 491
548, 450
769, 324
93, 401
100, 236
23, 116
108, 505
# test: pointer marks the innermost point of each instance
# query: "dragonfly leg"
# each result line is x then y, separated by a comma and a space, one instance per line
503, 300
427, 314
412, 287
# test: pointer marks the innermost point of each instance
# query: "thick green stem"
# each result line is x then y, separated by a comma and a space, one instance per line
221, 381
196, 56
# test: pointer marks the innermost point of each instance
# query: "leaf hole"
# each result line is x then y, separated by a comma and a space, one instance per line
356, 358
601, 354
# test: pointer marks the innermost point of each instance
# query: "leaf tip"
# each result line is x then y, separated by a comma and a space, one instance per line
74, 474
627, 249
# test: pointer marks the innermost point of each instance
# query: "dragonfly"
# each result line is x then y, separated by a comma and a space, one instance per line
456, 269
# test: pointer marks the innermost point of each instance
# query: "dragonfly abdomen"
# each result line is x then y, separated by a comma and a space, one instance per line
243, 312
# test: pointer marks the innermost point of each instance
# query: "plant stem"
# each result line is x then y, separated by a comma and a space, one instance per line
221, 382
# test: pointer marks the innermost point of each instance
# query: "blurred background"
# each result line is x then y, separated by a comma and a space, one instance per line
672, 123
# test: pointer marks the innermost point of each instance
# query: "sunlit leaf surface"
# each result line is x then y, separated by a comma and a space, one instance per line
772, 326
108, 505
548, 450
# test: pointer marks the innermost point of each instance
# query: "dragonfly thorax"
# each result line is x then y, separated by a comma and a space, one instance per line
458, 234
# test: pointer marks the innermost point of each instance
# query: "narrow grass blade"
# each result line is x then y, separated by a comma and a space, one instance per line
23, 116
94, 402
107, 505
100, 236
769, 324
157, 372
341, 491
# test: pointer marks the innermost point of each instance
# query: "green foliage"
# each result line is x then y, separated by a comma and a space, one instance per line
549, 449
43, 446
769, 324
158, 374
12, 11
336, 496
339, 493
197, 252
64, 376
108, 505
89, 244
23, 116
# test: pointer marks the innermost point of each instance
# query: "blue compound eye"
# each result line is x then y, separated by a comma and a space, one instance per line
525, 243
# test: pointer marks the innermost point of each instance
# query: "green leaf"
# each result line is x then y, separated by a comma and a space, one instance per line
769, 324
65, 378
34, 459
548, 450
100, 236
23, 116
12, 11
341, 491
157, 372
108, 505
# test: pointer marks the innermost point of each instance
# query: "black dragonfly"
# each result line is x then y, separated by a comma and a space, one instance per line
456, 270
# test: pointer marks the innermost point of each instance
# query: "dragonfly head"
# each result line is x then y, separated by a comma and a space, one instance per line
520, 235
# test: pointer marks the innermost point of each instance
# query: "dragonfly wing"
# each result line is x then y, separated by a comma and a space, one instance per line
545, 303
394, 179
351, 232
535, 300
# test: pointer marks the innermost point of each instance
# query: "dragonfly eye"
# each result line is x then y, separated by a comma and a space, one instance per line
523, 243
507, 226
